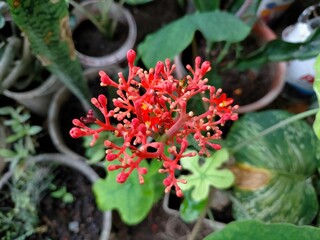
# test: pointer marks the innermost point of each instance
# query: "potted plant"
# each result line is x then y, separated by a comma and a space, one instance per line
29, 176
227, 31
50, 41
103, 31
249, 139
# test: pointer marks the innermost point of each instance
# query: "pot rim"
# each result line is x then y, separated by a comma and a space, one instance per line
120, 54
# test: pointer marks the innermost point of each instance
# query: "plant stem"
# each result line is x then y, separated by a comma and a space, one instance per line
274, 127
224, 52
197, 226
90, 16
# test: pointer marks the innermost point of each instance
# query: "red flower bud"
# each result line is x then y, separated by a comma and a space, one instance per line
131, 56
122, 177
76, 132
167, 182
111, 156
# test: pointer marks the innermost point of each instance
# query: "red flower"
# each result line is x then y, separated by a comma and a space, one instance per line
153, 105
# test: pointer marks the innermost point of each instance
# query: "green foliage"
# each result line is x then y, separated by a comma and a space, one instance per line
205, 175
275, 169
22, 134
278, 50
175, 37
46, 24
27, 187
61, 193
316, 87
206, 5
190, 209
131, 199
96, 153
250, 229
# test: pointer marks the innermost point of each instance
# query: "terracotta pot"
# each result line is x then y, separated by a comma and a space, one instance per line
75, 164
119, 13
38, 99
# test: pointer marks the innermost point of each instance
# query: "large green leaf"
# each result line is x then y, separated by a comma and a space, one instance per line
273, 172
167, 42
316, 87
208, 174
220, 26
131, 199
279, 50
46, 24
172, 39
250, 229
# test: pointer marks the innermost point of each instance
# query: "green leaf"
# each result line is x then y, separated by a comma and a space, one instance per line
316, 87
249, 230
33, 130
279, 50
131, 199
273, 172
221, 26
59, 192
190, 209
176, 36
68, 198
172, 39
14, 137
6, 153
96, 153
206, 175
6, 110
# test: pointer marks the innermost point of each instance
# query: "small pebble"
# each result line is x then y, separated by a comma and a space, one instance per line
74, 226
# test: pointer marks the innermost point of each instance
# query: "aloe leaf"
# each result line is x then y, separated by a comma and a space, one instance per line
250, 229
273, 172
46, 25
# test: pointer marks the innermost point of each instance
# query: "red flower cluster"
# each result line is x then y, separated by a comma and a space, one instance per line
151, 111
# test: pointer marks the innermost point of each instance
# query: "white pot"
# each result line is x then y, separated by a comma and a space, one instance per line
118, 13
38, 99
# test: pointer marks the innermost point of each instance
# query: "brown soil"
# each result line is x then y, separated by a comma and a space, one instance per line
248, 86
89, 41
78, 220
